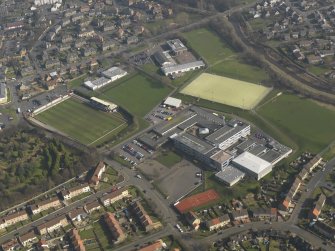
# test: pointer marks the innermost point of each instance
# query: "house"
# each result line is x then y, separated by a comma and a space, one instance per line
313, 163
316, 209
52, 225
114, 196
240, 215
158, 245
92, 206
97, 174
75, 191
218, 222
10, 245
77, 214
12, 219
192, 220
132, 40
75, 240
269, 214
44, 205
28, 239
142, 216
88, 51
314, 59
325, 229
115, 228
287, 202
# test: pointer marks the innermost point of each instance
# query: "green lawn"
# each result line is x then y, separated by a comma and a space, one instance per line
208, 45
233, 68
80, 121
318, 70
169, 158
309, 124
137, 93
77, 81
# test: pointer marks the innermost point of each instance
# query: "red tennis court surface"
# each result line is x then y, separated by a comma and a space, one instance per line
196, 200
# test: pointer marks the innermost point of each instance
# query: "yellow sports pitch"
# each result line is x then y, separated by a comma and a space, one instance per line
226, 91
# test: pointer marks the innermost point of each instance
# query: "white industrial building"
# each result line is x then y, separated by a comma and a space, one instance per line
114, 73
252, 165
181, 68
230, 175
109, 76
173, 102
98, 83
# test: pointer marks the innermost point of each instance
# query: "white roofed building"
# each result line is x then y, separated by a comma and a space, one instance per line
230, 175
181, 68
114, 73
173, 102
252, 165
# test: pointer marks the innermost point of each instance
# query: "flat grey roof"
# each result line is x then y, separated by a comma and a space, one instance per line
182, 117
257, 150
270, 156
229, 174
193, 142
224, 133
244, 146
208, 116
176, 45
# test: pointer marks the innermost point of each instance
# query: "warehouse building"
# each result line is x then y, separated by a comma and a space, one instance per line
173, 102
114, 73
253, 165
173, 70
98, 83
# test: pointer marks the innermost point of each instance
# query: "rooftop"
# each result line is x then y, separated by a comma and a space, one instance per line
194, 142
230, 174
113, 72
176, 45
251, 162
176, 68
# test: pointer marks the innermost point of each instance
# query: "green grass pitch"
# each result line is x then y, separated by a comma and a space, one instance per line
80, 121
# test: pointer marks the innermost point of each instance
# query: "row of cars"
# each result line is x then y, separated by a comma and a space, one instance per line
132, 152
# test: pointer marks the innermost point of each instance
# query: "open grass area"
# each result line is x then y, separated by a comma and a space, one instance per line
233, 68
77, 81
82, 122
208, 45
169, 158
318, 70
309, 124
226, 91
136, 93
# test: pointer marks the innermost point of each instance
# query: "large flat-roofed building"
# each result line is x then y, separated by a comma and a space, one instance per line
114, 73
230, 175
176, 46
163, 58
3, 93
171, 70
103, 105
252, 165
173, 102
98, 83
228, 134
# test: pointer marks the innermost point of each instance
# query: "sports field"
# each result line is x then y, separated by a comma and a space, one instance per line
81, 122
308, 123
208, 45
226, 91
137, 93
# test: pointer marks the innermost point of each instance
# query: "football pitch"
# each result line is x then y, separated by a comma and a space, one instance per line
81, 122
226, 91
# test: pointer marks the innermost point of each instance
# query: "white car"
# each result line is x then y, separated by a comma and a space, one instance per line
138, 176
